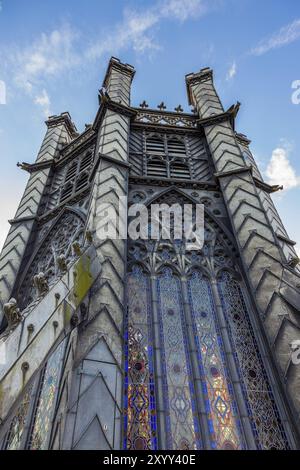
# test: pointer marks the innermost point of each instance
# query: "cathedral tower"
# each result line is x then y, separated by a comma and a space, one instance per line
117, 343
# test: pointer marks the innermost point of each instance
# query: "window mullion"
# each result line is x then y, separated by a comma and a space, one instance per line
160, 409
195, 367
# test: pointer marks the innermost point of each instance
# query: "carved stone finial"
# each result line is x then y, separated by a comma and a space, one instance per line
162, 106
179, 109
144, 104
12, 313
41, 284
62, 263
77, 248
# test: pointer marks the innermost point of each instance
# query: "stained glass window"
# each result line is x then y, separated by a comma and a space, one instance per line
224, 426
181, 422
17, 427
46, 400
187, 298
266, 424
140, 422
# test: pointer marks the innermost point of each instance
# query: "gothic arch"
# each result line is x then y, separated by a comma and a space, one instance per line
192, 305
67, 228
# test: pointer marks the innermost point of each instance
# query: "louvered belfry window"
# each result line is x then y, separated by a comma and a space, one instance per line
77, 176
163, 155
167, 157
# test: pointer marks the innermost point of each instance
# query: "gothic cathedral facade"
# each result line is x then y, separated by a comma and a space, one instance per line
115, 343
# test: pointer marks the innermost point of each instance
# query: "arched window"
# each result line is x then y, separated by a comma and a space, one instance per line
222, 410
31, 423
44, 407
207, 371
179, 397
67, 229
140, 421
265, 419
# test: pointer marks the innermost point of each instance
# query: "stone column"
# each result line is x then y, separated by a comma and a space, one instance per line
60, 131
272, 283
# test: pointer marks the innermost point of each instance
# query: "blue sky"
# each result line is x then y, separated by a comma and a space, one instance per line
53, 55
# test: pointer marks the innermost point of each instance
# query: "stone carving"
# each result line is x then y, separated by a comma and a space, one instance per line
144, 104
77, 248
293, 262
162, 106
12, 313
62, 263
89, 236
41, 284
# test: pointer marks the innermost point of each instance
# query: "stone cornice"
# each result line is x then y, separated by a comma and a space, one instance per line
235, 171
258, 183
109, 159
192, 78
107, 103
193, 184
230, 115
65, 118
242, 139
117, 64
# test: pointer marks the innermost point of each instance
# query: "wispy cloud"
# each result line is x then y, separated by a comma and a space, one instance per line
280, 170
43, 100
136, 30
231, 71
34, 65
49, 55
286, 35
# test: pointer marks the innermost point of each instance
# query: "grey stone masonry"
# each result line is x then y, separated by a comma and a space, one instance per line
100, 346
274, 283
60, 131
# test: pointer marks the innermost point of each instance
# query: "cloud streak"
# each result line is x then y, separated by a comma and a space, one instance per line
43, 101
286, 35
136, 30
65, 49
232, 71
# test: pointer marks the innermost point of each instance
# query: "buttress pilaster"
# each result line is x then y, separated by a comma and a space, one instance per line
272, 281
102, 339
60, 130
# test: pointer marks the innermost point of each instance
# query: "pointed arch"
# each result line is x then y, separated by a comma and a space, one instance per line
66, 228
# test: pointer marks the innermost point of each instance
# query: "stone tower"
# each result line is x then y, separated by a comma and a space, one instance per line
115, 343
